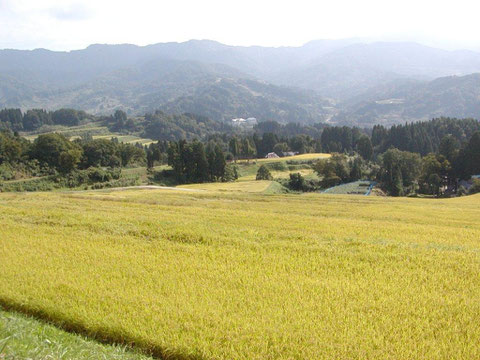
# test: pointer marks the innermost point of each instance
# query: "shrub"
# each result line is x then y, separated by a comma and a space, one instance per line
231, 173
116, 183
461, 191
100, 175
263, 173
277, 166
297, 182
31, 185
475, 188
6, 172
330, 181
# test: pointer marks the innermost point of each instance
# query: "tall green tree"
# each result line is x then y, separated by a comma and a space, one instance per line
399, 165
449, 147
472, 155
201, 173
235, 147
365, 147
219, 164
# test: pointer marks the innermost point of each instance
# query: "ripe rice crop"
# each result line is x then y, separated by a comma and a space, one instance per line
229, 275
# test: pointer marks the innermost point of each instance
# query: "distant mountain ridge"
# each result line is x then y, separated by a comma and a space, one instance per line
400, 101
320, 81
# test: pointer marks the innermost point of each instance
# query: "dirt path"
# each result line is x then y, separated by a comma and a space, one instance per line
140, 187
152, 187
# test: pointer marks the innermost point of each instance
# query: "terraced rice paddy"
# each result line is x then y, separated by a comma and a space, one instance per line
242, 275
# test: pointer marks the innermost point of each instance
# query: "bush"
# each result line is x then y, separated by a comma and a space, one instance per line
277, 166
96, 175
164, 178
77, 178
299, 167
330, 181
231, 173
297, 182
475, 188
6, 172
116, 183
32, 185
263, 173
461, 191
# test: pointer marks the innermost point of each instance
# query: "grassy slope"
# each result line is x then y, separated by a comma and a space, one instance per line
95, 129
22, 337
248, 170
249, 276
302, 157
359, 187
238, 186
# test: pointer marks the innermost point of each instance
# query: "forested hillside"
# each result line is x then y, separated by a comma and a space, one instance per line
400, 101
341, 81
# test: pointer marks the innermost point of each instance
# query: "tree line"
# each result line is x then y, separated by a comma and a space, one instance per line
16, 120
427, 157
194, 162
54, 154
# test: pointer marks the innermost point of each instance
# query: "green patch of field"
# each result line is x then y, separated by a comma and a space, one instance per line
94, 129
302, 157
359, 187
237, 186
275, 188
22, 337
279, 167
71, 131
141, 173
242, 275
127, 139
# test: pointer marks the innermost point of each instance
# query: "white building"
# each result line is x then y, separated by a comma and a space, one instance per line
244, 123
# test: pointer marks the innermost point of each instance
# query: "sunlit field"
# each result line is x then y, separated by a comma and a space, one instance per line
302, 157
241, 186
93, 129
238, 274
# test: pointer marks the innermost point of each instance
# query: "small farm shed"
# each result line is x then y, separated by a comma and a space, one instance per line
271, 155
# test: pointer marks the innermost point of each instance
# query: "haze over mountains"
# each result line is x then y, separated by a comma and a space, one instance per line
340, 81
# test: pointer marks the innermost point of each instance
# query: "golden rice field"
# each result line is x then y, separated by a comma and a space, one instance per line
301, 157
243, 275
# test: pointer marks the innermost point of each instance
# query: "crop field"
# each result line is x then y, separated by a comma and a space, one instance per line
248, 170
71, 131
254, 186
302, 157
246, 275
127, 139
93, 129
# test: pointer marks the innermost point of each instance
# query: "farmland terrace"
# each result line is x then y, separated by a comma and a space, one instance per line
245, 275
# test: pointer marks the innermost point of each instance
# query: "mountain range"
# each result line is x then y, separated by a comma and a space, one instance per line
337, 81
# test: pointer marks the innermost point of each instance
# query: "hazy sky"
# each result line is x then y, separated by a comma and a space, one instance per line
73, 24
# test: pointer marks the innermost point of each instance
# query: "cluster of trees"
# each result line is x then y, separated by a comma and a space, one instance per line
249, 147
161, 126
423, 137
405, 172
193, 162
428, 157
157, 125
289, 129
357, 155
15, 120
244, 146
436, 173
341, 169
56, 152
